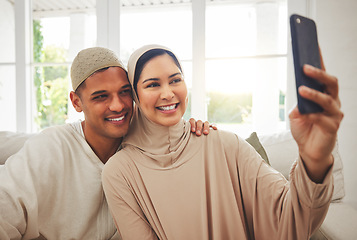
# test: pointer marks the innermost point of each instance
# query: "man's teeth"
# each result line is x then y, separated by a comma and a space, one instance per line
116, 119
167, 108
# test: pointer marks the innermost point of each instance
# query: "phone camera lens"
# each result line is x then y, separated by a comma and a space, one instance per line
298, 20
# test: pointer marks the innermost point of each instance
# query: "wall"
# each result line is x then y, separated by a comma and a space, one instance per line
337, 30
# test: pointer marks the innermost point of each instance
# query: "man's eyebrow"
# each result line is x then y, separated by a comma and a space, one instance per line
104, 91
98, 92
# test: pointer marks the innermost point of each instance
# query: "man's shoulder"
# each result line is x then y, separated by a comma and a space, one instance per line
55, 137
57, 129
59, 132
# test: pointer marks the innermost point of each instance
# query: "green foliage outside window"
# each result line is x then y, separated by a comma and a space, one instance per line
226, 108
51, 83
229, 108
187, 114
281, 106
37, 41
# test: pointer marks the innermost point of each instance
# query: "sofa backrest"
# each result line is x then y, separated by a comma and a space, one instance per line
10, 143
280, 147
282, 151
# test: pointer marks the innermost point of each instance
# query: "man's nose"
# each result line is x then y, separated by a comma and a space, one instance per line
116, 104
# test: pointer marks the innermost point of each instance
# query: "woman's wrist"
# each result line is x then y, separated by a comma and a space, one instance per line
317, 170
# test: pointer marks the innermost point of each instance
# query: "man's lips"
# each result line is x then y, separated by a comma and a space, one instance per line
116, 119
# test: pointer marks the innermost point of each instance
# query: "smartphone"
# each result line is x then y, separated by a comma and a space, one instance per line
305, 51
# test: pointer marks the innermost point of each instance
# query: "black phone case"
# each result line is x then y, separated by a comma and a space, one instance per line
305, 51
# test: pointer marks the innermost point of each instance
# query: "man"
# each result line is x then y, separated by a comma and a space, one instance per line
51, 188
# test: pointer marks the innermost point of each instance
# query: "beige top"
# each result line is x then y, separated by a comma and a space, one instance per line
51, 189
225, 191
168, 183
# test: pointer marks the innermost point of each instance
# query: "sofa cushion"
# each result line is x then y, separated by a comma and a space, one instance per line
338, 223
10, 143
282, 151
254, 141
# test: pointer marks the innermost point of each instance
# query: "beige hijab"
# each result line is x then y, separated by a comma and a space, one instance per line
163, 145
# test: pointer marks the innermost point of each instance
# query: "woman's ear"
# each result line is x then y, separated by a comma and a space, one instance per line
76, 101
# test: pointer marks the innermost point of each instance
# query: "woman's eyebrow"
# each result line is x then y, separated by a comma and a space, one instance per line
157, 79
175, 74
150, 79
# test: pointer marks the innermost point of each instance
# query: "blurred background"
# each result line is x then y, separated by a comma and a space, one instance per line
236, 57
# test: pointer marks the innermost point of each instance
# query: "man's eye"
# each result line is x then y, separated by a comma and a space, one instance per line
125, 92
100, 97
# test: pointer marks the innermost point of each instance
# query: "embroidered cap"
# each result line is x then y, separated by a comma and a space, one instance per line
91, 60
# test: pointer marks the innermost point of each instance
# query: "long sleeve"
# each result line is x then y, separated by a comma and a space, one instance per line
23, 180
52, 187
278, 208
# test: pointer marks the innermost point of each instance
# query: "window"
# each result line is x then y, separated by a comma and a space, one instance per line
7, 68
168, 25
246, 52
7, 97
52, 54
245, 58
50, 70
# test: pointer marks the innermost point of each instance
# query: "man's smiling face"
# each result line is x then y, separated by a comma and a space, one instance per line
106, 101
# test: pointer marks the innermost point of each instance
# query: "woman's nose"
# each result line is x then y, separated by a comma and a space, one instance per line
167, 93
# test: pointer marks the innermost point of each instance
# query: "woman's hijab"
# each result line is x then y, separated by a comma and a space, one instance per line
162, 144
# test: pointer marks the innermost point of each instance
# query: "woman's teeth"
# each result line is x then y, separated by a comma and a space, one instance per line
167, 108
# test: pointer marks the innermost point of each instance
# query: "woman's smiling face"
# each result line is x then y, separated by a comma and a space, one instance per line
162, 91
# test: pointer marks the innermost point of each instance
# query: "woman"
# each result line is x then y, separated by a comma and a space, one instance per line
169, 184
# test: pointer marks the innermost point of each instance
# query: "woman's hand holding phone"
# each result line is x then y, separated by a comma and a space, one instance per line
316, 120
316, 133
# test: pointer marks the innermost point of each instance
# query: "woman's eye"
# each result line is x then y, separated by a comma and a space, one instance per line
176, 80
152, 85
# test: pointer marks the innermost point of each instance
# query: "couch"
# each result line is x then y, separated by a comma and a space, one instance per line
341, 220
280, 151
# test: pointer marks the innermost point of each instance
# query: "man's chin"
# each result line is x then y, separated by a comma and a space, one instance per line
119, 133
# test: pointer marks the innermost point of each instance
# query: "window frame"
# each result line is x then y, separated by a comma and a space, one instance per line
108, 36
